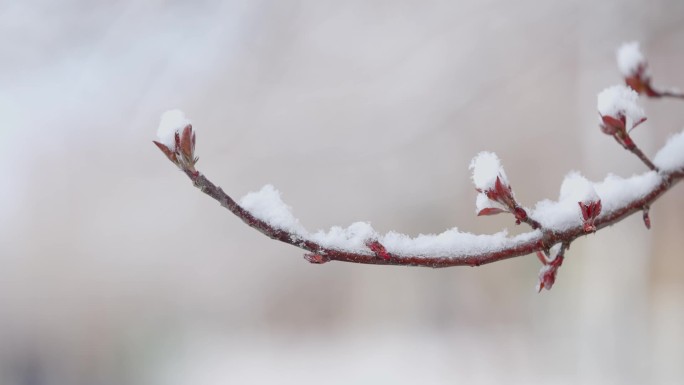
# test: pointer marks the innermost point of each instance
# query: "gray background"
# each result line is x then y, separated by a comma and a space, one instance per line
115, 270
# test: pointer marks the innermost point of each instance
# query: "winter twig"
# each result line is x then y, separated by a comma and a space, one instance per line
583, 207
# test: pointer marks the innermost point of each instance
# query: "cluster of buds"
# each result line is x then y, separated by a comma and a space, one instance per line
551, 262
634, 68
495, 193
620, 113
177, 140
501, 194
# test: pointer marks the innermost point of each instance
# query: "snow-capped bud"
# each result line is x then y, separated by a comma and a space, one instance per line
590, 211
500, 193
177, 139
576, 189
620, 113
634, 68
486, 171
495, 193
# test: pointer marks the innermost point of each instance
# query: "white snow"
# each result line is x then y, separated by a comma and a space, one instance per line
563, 214
352, 238
621, 100
452, 242
630, 58
485, 167
577, 188
267, 205
613, 191
670, 158
616, 191
557, 216
171, 121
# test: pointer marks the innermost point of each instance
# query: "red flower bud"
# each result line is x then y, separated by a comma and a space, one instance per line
590, 210
548, 272
620, 113
183, 151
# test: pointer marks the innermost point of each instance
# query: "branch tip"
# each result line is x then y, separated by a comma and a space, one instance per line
647, 218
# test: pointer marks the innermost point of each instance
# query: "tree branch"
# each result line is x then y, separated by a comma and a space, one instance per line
537, 241
555, 224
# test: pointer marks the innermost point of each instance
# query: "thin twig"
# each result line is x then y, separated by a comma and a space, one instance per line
640, 154
671, 94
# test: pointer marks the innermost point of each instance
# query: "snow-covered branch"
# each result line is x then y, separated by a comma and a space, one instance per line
583, 207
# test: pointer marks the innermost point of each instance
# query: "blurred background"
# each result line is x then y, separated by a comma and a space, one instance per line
115, 270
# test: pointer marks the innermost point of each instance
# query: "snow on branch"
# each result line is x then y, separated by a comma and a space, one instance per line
267, 206
563, 214
582, 207
670, 158
495, 193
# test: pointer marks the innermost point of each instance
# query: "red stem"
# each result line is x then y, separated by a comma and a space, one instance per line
640, 154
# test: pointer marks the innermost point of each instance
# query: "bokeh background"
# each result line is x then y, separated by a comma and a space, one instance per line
115, 270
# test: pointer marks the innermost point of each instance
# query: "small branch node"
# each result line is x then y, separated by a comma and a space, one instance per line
316, 259
647, 217
379, 250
